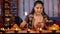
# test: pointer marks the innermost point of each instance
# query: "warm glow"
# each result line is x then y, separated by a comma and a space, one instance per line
8, 19
16, 29
53, 28
40, 29
2, 28
8, 28
28, 29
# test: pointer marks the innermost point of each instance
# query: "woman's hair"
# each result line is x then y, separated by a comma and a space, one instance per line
35, 3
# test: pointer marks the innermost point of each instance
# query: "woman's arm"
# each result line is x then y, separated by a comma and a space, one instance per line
23, 24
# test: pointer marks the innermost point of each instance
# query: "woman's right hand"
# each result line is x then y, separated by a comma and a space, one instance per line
23, 24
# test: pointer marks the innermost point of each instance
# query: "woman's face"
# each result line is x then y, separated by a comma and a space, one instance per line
38, 8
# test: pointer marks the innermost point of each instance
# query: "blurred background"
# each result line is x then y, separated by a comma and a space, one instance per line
51, 7
11, 8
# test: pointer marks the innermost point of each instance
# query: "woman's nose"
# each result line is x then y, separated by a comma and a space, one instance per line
39, 9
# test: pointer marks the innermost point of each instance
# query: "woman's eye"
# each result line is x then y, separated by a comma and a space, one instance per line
37, 7
40, 7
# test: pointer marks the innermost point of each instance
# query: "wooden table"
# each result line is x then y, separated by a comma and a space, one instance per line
31, 31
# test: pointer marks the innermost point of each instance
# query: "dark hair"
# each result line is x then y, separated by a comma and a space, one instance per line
39, 2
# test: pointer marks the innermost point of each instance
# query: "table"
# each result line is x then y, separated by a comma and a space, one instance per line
25, 31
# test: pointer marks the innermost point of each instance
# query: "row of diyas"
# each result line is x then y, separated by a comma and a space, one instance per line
54, 27
15, 27
28, 31
10, 29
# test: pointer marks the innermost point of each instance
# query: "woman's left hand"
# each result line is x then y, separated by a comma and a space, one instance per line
49, 21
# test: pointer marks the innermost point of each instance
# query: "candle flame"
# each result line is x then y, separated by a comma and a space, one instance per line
16, 29
28, 29
53, 28
40, 29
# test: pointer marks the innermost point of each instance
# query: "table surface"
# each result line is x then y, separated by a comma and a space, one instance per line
31, 31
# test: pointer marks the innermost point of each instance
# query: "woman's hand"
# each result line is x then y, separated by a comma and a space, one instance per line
23, 24
49, 21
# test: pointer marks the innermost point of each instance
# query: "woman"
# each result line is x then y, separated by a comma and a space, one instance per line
37, 16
